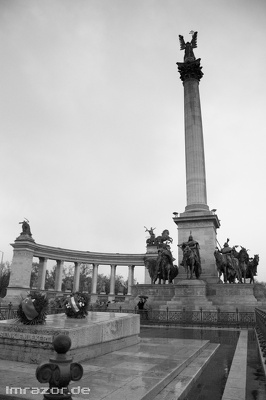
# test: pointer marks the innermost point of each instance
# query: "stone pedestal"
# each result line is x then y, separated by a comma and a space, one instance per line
191, 295
21, 266
228, 297
203, 226
95, 335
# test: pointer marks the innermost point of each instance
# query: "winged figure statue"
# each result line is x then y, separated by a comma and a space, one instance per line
188, 47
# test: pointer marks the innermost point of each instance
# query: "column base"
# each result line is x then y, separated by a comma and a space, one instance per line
94, 298
14, 295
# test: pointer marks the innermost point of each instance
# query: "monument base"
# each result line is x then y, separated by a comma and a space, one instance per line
191, 295
93, 336
228, 297
194, 294
14, 295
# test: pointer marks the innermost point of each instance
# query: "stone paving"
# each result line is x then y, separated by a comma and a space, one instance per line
134, 373
154, 369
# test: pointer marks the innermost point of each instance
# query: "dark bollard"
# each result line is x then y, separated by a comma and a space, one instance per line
59, 371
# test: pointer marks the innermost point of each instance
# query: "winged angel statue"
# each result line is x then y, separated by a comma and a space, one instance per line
189, 46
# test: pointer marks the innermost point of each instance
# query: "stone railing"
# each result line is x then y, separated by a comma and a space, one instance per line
261, 333
152, 316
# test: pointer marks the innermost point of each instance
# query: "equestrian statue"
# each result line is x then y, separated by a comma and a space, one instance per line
191, 257
161, 266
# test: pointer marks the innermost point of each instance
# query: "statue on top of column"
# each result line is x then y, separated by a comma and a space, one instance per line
25, 227
189, 46
190, 68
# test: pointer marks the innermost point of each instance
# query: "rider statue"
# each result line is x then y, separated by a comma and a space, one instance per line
228, 252
193, 245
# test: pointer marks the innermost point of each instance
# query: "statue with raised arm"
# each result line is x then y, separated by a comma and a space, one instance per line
190, 68
151, 239
26, 228
189, 46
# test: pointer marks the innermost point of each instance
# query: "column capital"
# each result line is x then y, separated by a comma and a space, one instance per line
190, 69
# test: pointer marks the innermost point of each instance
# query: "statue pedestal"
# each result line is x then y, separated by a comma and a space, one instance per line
228, 297
191, 295
203, 225
19, 283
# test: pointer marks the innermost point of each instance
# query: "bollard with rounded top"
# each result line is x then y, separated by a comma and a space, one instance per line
59, 371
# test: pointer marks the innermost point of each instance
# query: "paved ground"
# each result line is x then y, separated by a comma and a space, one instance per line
137, 372
156, 369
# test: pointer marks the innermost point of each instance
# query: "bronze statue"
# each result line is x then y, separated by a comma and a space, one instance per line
252, 268
25, 228
227, 263
188, 47
191, 257
151, 239
161, 266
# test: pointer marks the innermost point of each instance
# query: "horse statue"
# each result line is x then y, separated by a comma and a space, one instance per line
191, 263
252, 268
166, 270
152, 267
162, 267
227, 266
243, 259
159, 240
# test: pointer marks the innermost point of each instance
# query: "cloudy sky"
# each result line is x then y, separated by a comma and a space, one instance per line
92, 120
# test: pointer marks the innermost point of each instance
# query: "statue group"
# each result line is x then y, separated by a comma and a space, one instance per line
161, 267
235, 265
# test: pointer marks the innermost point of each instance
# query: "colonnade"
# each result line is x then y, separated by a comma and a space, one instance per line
59, 276
25, 249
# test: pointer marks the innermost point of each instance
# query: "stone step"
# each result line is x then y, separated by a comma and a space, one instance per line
181, 385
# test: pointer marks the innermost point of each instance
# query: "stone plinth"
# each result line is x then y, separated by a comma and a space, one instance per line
157, 294
231, 296
191, 295
95, 335
203, 226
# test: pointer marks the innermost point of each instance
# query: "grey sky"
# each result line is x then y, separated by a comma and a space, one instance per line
92, 129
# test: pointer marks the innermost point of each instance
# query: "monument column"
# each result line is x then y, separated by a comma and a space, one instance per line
76, 277
42, 273
94, 295
130, 279
59, 275
112, 283
197, 218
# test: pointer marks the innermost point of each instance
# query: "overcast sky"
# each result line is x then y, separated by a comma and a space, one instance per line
92, 120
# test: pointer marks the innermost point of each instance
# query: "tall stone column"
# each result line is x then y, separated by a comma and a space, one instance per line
42, 273
94, 295
76, 277
59, 275
197, 219
130, 279
112, 283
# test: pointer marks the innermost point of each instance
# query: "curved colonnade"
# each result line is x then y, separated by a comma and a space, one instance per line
26, 250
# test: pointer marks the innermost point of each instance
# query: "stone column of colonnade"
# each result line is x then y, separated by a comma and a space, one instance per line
77, 277
94, 295
112, 283
130, 279
59, 275
42, 273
